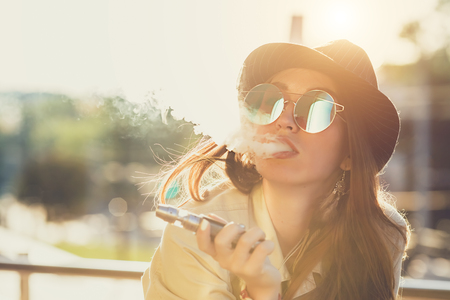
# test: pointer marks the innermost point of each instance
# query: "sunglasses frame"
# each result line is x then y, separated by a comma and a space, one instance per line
338, 107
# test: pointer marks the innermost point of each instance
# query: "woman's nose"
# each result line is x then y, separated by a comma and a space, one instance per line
286, 119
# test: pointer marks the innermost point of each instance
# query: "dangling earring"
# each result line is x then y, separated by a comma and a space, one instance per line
339, 188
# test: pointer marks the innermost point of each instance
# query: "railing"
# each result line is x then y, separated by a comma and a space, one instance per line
425, 289
84, 267
410, 288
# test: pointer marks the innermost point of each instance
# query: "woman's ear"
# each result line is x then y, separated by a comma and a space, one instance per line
346, 164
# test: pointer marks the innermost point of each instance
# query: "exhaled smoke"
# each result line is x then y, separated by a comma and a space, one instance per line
247, 140
133, 113
223, 119
215, 115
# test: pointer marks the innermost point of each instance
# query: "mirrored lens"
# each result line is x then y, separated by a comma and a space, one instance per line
315, 111
263, 104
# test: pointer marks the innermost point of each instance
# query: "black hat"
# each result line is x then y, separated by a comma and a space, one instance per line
341, 60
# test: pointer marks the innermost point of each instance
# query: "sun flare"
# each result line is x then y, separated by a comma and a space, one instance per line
342, 19
341, 16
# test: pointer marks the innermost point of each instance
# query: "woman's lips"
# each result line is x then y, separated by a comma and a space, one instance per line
274, 147
288, 142
288, 150
284, 154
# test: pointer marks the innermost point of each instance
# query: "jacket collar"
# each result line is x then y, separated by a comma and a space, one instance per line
261, 218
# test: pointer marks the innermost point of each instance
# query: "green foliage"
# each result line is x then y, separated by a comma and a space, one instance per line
433, 70
433, 67
52, 180
431, 27
411, 31
65, 143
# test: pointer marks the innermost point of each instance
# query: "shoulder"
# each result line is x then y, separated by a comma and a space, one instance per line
396, 239
392, 213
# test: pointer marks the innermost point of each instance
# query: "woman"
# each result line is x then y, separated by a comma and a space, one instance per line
319, 226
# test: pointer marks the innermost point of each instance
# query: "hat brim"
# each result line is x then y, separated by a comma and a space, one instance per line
378, 114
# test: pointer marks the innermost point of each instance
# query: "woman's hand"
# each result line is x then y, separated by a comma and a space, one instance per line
253, 266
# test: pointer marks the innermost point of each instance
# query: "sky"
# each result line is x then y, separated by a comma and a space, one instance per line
186, 52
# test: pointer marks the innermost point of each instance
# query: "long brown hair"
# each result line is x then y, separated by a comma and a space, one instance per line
353, 244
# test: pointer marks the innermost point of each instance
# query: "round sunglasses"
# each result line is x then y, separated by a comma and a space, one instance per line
313, 111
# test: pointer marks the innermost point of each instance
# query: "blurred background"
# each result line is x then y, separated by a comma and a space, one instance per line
97, 96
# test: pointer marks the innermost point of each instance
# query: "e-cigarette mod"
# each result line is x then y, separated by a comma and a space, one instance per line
190, 221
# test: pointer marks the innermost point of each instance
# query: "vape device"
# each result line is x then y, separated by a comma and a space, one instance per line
190, 221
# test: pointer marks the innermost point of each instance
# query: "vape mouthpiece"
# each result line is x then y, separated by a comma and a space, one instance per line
167, 213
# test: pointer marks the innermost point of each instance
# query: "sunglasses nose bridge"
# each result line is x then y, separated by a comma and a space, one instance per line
294, 103
287, 102
286, 118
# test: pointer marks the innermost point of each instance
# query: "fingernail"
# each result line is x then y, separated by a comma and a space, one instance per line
203, 225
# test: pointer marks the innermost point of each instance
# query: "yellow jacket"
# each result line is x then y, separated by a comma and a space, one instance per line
179, 270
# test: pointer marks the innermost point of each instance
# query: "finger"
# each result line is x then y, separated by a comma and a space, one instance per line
217, 218
204, 238
257, 259
224, 239
245, 246
250, 239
